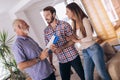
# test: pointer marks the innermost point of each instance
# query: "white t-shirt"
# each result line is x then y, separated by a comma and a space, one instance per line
88, 40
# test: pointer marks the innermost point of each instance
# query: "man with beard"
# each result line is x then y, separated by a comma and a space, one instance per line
67, 55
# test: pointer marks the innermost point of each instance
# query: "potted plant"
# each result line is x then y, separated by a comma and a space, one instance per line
7, 58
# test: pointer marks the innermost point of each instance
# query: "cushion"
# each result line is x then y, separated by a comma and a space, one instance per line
109, 51
114, 67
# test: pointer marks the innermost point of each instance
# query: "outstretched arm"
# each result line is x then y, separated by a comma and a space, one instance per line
29, 63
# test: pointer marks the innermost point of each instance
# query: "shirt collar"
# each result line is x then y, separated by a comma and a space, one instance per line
58, 22
22, 37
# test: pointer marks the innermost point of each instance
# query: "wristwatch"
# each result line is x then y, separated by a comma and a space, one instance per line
50, 51
38, 59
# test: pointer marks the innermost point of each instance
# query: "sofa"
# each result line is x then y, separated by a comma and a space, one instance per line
112, 59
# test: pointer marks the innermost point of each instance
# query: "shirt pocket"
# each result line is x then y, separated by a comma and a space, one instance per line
30, 53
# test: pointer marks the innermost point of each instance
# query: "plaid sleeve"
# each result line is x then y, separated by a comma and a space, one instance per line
45, 37
68, 30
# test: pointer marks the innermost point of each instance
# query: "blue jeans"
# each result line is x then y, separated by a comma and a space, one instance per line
94, 57
65, 69
51, 77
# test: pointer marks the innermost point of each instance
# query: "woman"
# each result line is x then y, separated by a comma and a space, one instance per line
92, 52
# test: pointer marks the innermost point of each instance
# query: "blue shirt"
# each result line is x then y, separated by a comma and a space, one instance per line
25, 48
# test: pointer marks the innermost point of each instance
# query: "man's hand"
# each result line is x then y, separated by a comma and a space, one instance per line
44, 54
68, 38
58, 50
55, 49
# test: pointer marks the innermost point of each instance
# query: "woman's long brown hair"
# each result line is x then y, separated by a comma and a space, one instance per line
79, 15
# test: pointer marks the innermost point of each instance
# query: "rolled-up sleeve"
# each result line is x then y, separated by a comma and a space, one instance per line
45, 37
18, 53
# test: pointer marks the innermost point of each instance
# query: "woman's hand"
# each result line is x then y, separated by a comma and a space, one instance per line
73, 38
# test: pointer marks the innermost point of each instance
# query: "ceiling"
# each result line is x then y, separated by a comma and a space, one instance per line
6, 5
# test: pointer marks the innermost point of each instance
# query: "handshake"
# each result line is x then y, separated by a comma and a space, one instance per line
54, 39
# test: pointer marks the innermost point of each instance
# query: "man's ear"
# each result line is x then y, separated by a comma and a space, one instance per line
19, 27
54, 14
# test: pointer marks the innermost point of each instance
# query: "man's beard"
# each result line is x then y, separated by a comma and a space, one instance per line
26, 31
52, 19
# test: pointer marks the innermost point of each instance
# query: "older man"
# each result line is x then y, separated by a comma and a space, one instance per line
29, 56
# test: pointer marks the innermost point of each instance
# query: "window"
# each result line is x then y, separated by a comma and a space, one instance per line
43, 18
69, 1
61, 12
110, 11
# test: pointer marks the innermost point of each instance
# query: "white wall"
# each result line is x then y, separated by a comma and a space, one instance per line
29, 10
22, 15
38, 25
31, 14
6, 23
35, 18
